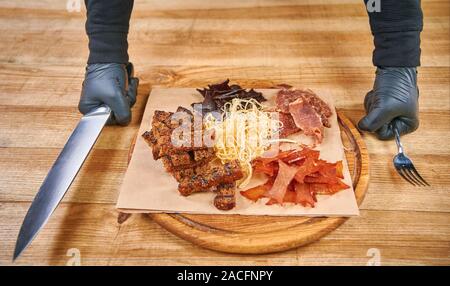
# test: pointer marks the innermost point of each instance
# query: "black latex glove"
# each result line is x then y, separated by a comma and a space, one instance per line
111, 84
393, 100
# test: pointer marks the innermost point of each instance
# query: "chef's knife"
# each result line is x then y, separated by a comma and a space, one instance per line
61, 175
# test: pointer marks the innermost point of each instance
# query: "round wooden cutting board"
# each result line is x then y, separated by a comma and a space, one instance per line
266, 234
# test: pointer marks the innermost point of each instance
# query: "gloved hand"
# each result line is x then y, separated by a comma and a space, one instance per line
393, 100
111, 84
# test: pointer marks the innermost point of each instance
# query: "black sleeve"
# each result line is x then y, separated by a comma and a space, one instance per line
396, 29
107, 28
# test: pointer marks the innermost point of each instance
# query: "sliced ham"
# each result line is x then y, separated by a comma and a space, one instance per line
284, 177
287, 96
289, 126
284, 98
307, 119
319, 106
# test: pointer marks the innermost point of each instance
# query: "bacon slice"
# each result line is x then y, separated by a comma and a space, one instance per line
290, 156
320, 180
304, 195
255, 193
284, 177
296, 176
298, 157
307, 119
339, 170
258, 192
339, 186
281, 155
289, 197
304, 170
329, 189
270, 169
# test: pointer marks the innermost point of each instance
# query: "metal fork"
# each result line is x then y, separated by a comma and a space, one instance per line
405, 166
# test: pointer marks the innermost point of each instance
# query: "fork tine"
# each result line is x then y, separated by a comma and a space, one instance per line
413, 177
400, 172
411, 180
419, 176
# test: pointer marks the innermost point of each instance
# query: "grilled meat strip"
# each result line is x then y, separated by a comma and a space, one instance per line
180, 175
225, 199
160, 136
186, 160
228, 173
189, 165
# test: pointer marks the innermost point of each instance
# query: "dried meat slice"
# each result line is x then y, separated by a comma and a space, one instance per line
319, 105
339, 186
259, 191
288, 125
287, 96
308, 167
320, 180
225, 174
329, 189
303, 195
255, 193
284, 177
307, 119
289, 197
311, 176
339, 169
284, 98
275, 156
298, 157
270, 169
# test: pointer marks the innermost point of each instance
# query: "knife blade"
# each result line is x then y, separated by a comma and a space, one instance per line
61, 175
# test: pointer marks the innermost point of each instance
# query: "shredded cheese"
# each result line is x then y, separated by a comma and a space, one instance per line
243, 132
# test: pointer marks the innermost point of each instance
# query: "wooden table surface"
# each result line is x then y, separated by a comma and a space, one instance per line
322, 44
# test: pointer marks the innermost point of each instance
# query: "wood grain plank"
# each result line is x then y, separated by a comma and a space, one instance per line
25, 85
24, 170
423, 239
100, 178
189, 43
35, 127
190, 9
146, 26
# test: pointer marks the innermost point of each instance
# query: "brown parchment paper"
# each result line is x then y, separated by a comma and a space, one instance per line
148, 188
